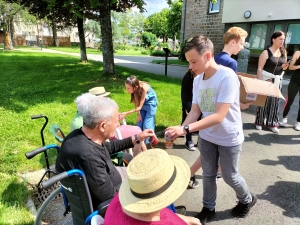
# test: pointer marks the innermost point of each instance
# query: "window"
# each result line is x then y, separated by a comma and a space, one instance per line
292, 39
258, 34
214, 8
277, 27
240, 25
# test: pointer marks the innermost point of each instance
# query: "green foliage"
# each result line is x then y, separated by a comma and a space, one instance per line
92, 26
158, 53
181, 54
48, 85
174, 16
163, 45
145, 52
157, 24
148, 39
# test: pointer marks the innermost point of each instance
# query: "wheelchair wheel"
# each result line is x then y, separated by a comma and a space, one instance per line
52, 210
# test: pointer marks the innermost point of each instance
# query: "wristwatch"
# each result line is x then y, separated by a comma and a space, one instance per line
186, 128
136, 139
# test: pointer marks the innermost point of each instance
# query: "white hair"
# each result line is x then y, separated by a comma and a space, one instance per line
94, 109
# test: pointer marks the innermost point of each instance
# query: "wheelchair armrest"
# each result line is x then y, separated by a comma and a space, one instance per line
103, 207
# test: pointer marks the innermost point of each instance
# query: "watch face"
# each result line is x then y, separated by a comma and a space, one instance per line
186, 128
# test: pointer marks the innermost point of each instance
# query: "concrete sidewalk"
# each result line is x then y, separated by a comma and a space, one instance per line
270, 165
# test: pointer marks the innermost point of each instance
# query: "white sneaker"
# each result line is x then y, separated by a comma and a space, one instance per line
274, 129
258, 127
283, 122
297, 126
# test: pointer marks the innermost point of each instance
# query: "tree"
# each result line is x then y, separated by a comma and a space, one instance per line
93, 26
105, 7
157, 24
148, 39
174, 20
8, 11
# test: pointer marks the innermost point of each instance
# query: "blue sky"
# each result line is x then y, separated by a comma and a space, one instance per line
153, 6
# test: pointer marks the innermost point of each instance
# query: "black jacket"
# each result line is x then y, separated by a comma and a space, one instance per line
79, 152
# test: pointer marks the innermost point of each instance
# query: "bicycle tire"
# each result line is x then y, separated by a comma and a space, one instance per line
52, 210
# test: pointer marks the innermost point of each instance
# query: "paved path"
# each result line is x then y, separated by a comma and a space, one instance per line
269, 163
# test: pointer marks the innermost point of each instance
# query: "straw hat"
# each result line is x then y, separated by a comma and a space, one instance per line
154, 180
99, 91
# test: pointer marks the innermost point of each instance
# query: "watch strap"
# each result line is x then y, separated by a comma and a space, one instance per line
136, 139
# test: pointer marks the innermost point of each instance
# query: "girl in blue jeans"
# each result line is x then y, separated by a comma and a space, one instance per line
145, 101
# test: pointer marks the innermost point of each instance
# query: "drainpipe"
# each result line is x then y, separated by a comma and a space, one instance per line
183, 23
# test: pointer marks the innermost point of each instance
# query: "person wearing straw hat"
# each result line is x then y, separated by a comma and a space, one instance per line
87, 149
126, 130
154, 180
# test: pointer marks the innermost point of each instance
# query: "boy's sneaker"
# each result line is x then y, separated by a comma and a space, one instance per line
205, 215
241, 210
283, 122
193, 182
297, 125
190, 146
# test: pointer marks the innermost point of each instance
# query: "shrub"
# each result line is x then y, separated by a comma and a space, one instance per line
163, 45
158, 53
148, 39
145, 52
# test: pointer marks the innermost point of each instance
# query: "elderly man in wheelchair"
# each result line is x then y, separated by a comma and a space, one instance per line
86, 149
123, 130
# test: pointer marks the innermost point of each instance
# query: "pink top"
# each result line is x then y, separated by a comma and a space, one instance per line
115, 216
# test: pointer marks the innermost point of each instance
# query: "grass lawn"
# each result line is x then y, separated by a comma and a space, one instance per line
43, 83
171, 62
76, 49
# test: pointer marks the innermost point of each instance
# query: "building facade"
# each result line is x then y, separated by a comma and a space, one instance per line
259, 18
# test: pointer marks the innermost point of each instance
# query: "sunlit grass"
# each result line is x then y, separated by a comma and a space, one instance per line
43, 83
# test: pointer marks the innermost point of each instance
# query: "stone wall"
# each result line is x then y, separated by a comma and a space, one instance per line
198, 21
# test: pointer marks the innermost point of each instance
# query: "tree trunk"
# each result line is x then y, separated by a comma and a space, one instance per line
7, 36
7, 41
12, 32
107, 42
83, 56
54, 30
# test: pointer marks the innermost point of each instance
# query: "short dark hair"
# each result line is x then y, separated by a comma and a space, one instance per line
201, 44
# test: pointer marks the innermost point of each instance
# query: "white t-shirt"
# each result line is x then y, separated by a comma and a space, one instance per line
223, 87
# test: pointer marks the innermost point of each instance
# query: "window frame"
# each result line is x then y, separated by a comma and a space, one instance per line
210, 6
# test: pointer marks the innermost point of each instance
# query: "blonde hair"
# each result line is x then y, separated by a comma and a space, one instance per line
234, 33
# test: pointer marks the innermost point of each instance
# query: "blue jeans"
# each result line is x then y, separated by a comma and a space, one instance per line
147, 122
229, 158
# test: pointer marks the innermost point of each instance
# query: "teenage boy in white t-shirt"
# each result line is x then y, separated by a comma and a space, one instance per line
216, 95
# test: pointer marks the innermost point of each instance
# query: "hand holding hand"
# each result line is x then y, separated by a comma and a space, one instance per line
174, 132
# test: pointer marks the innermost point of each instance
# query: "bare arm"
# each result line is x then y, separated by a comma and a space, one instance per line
139, 107
211, 120
294, 59
261, 63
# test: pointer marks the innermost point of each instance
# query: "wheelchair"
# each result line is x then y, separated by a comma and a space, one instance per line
74, 195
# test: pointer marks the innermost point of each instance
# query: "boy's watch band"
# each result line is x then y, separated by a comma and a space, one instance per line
186, 128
